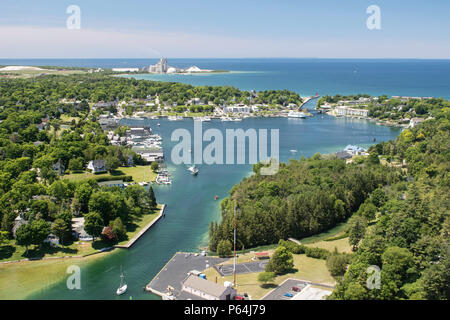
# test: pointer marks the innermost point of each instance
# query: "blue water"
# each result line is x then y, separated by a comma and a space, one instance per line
305, 76
190, 200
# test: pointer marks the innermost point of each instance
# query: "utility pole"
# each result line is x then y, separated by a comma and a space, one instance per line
234, 262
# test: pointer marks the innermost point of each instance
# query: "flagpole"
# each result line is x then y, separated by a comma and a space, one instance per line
234, 262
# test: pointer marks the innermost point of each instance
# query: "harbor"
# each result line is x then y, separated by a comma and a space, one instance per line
191, 204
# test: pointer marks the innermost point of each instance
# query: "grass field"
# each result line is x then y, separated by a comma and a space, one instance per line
305, 268
29, 73
139, 223
342, 245
139, 174
68, 119
19, 280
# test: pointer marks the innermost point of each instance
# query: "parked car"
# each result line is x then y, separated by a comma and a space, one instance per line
288, 294
296, 289
238, 298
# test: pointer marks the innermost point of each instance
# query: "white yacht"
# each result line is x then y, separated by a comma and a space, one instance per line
123, 286
193, 170
296, 114
226, 119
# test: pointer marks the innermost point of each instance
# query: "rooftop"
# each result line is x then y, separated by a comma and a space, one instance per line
204, 285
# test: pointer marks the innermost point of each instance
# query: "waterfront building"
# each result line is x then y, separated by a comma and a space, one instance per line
415, 121
355, 150
348, 111
206, 289
238, 108
161, 67
125, 69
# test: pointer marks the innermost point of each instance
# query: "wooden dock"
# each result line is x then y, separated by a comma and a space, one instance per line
140, 233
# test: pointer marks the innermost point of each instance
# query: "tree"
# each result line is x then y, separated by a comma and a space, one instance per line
154, 166
76, 164
40, 230
281, 261
58, 189
93, 224
224, 248
337, 263
60, 229
3, 236
152, 198
266, 277
119, 229
24, 236
378, 197
83, 193
367, 210
356, 229
112, 163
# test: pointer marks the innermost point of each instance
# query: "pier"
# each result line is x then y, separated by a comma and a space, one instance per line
176, 271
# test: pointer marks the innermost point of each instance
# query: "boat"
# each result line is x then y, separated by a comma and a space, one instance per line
296, 114
207, 119
226, 119
123, 286
293, 151
193, 170
237, 119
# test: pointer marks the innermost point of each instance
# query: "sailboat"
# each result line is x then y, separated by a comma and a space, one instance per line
193, 170
123, 286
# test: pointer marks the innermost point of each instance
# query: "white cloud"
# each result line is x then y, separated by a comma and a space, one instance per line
44, 42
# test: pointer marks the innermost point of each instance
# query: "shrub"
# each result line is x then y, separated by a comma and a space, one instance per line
224, 248
317, 253
281, 262
292, 247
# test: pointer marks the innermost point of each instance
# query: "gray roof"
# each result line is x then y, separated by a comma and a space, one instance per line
205, 286
343, 155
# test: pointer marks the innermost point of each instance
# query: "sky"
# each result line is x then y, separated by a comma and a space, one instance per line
224, 29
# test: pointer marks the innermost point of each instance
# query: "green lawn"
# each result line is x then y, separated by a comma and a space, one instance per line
18, 280
139, 174
138, 223
305, 268
10, 251
34, 73
68, 119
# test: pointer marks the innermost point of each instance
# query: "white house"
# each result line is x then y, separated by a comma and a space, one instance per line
347, 111
97, 166
206, 289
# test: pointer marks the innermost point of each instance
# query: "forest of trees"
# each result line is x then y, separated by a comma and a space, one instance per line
399, 217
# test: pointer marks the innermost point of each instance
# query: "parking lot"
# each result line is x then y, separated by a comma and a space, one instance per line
241, 268
176, 270
285, 287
